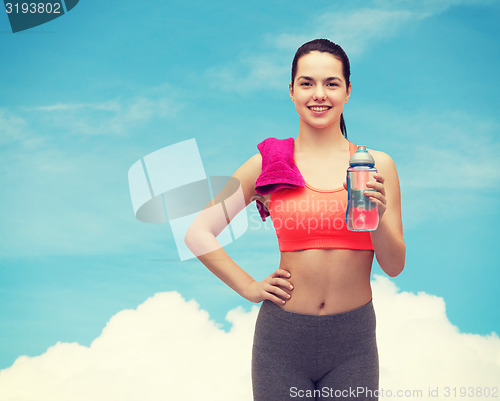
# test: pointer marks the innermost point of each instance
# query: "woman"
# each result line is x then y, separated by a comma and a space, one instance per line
315, 332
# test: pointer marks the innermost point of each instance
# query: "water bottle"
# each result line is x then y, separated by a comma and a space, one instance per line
362, 214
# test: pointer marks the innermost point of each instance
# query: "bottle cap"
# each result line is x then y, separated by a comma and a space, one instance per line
361, 157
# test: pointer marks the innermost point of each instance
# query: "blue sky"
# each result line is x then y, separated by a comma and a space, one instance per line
85, 96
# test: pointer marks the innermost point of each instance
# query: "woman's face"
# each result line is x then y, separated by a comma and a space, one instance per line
319, 91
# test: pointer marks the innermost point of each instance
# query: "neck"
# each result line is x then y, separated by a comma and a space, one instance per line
320, 140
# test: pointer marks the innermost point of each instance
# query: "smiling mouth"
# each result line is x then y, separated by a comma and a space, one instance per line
319, 108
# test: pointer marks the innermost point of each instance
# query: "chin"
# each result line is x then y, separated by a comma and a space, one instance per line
322, 126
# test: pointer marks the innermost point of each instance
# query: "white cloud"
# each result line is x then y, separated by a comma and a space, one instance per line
166, 349
269, 71
11, 127
429, 7
14, 130
107, 106
353, 30
109, 117
169, 349
419, 347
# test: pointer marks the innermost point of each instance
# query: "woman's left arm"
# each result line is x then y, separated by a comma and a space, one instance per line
387, 239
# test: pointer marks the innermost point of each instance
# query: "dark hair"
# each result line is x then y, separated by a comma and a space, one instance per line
325, 46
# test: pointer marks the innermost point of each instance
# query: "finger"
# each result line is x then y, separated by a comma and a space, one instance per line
375, 184
375, 194
378, 202
281, 273
379, 178
282, 283
278, 292
275, 300
379, 187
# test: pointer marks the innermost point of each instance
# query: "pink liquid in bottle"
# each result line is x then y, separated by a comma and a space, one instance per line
364, 220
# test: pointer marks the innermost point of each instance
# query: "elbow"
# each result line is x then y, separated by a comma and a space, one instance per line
187, 237
190, 239
193, 242
396, 264
395, 271
200, 242
187, 240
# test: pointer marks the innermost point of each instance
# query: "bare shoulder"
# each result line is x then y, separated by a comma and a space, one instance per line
247, 175
387, 168
383, 161
251, 169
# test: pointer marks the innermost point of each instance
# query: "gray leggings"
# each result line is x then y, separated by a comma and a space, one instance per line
298, 356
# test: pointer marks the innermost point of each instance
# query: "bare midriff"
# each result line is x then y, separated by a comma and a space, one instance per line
327, 281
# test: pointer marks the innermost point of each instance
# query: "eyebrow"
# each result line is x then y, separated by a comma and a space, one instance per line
311, 79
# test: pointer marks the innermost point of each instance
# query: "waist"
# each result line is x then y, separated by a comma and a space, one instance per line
327, 280
361, 311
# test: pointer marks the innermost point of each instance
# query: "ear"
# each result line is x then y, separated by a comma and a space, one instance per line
348, 93
290, 88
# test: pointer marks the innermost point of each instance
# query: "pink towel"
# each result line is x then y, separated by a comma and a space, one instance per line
278, 169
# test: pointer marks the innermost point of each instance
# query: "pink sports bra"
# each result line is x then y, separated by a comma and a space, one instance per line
310, 218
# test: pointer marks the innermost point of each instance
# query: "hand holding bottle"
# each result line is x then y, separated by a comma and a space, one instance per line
376, 193
377, 196
362, 207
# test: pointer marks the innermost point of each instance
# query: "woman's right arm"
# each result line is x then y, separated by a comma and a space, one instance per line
201, 239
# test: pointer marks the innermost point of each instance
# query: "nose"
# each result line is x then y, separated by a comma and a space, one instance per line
319, 93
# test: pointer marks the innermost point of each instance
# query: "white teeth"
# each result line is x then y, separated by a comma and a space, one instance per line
319, 108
